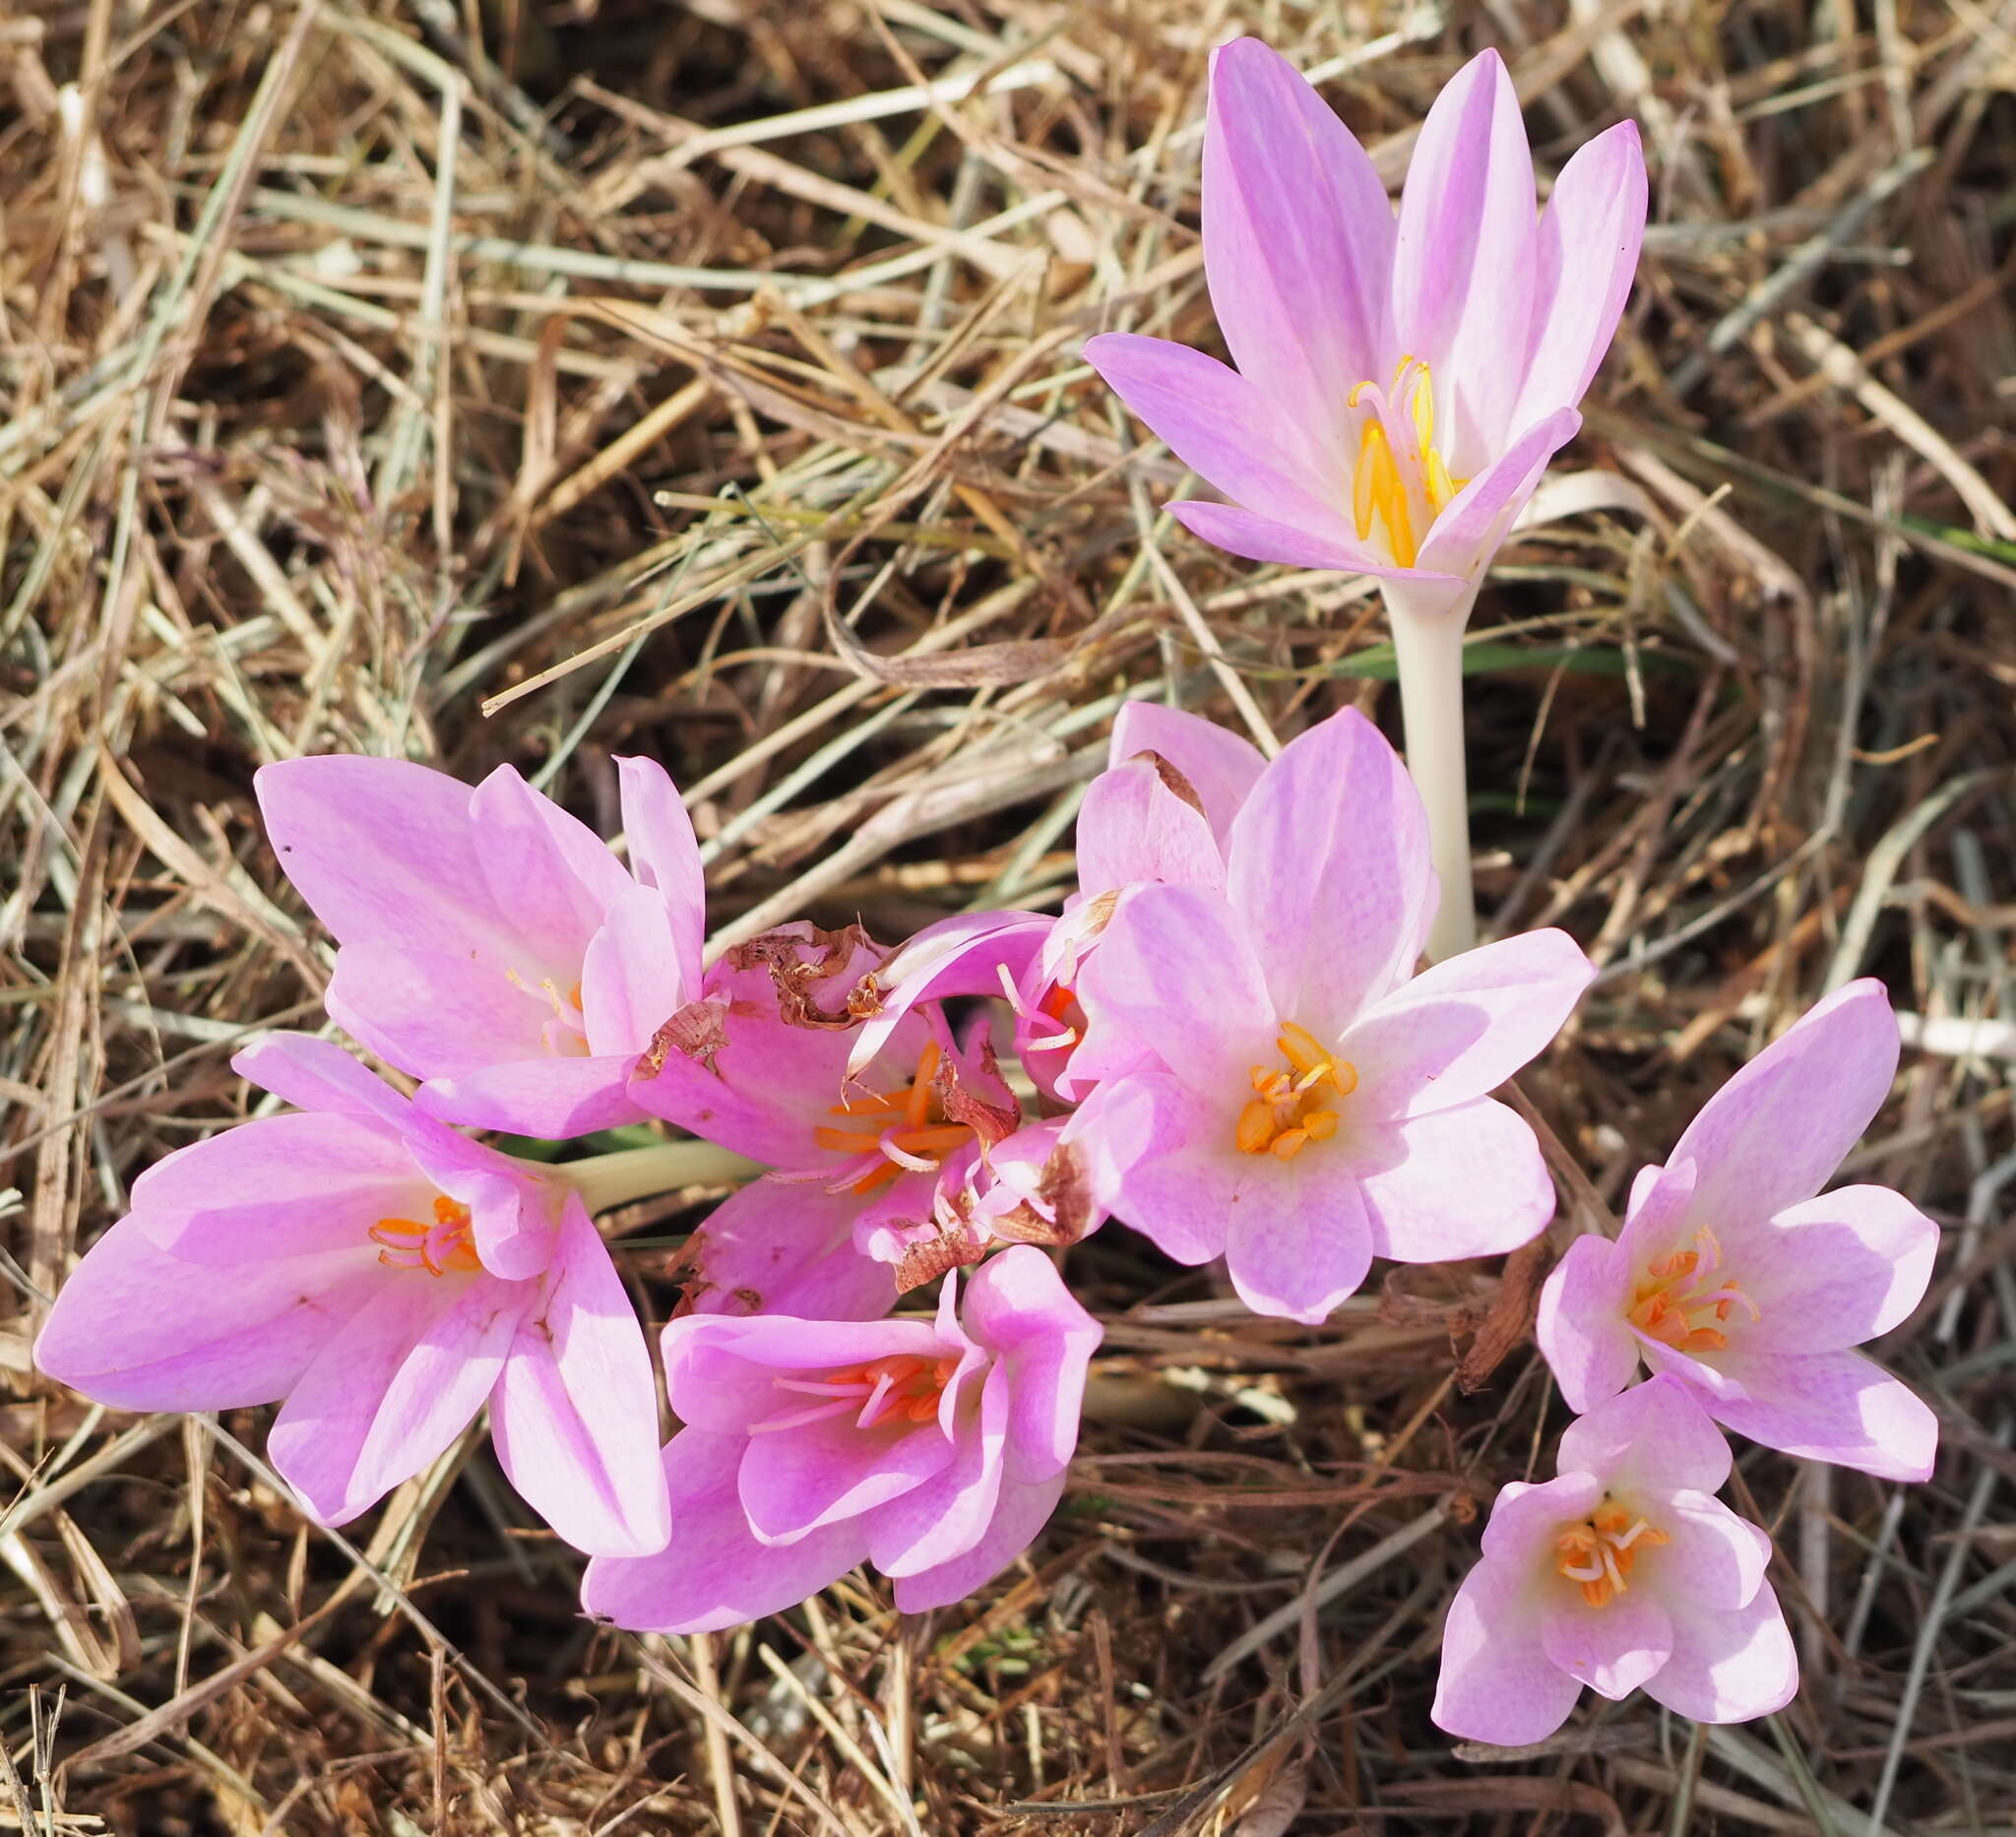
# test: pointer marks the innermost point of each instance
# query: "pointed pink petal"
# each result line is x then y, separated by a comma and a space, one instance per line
1465, 1025
1582, 1333
713, 1573
723, 1372
1526, 1520
434, 1013
1497, 1684
1162, 1162
950, 1512
1652, 1438
1328, 870
1835, 1270
664, 855
1472, 528
1613, 1648
1132, 826
1222, 766
798, 1480
1463, 268
549, 874
631, 982
1018, 1309
1712, 1559
1585, 256
1020, 1514
1729, 1666
1326, 545
787, 1248
551, 1096
318, 1074
1297, 1243
1467, 1181
575, 1413
1298, 236
963, 955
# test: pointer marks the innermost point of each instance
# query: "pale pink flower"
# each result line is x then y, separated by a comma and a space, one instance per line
1738, 1278
1625, 1573
388, 1278
1300, 1100
491, 944
935, 1450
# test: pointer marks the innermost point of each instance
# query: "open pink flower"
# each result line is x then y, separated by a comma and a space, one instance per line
491, 943
1304, 1102
1401, 386
934, 1448
1733, 1277
388, 1278
1625, 1573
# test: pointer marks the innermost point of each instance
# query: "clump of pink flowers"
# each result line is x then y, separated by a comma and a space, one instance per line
1226, 1040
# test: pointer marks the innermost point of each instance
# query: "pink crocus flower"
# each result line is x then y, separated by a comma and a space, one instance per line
491, 943
1303, 1101
387, 1278
934, 1448
1622, 1573
1401, 385
1738, 1278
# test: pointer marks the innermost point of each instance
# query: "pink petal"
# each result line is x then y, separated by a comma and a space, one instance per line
1223, 429
1473, 526
1526, 1520
721, 1373
797, 1480
575, 1413
435, 1014
1729, 1666
664, 855
1712, 1559
1585, 256
1465, 1025
1018, 1309
1329, 543
1132, 826
550, 874
1497, 1682
551, 1096
1297, 1243
1020, 1514
1222, 766
1163, 1163
713, 1573
318, 1074
787, 1248
631, 982
1654, 1440
1582, 1333
139, 1329
951, 1511
1467, 1181
1462, 267
963, 955
1835, 1270
1298, 236
1613, 1648
1329, 872
1771, 1136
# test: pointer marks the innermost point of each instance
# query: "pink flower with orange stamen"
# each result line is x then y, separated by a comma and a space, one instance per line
935, 1450
387, 1278
1737, 1276
1622, 1573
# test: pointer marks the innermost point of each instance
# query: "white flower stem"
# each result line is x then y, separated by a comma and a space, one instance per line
608, 1180
1429, 647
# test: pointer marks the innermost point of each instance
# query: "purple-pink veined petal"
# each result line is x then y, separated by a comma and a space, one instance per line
1463, 264
797, 1480
1298, 236
1771, 1136
1222, 766
1585, 256
713, 1573
319, 1075
277, 1188
1135, 826
631, 982
724, 1374
1527, 1520
1465, 1025
139, 1329
1328, 871
433, 1013
1164, 1163
550, 874
1223, 429
1728, 1665
1018, 1307
1473, 525
551, 1096
513, 1211
1581, 1328
1497, 1682
1613, 1648
1837, 1406
963, 955
1712, 1558
1467, 1181
664, 855
951, 1511
787, 1248
1297, 1243
1329, 544
393, 1387
1020, 1514
1654, 1440
1835, 1270
575, 1413
1656, 1219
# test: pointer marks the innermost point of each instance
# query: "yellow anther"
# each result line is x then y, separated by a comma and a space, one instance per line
1288, 1144
1364, 483
1423, 407
1441, 488
1255, 1128
1301, 1049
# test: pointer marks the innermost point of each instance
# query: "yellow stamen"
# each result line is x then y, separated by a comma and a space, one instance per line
1441, 488
1365, 486
1598, 1553
1290, 1108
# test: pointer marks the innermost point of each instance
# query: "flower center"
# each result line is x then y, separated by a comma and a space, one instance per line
1399, 473
1599, 1552
566, 1033
1684, 1299
406, 1243
900, 1388
1290, 1106
906, 1128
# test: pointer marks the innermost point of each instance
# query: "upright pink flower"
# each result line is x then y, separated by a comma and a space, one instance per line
1623, 1573
491, 943
934, 1448
387, 1278
1734, 1279
1303, 1101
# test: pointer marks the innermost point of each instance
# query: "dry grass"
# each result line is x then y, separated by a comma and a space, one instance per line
506, 381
